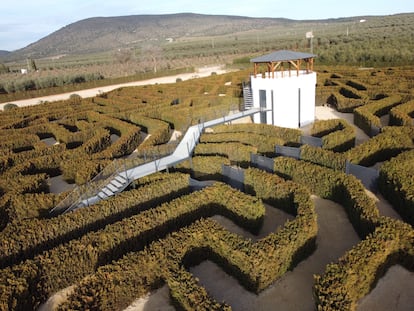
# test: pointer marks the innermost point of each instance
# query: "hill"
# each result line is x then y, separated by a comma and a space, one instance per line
4, 53
101, 34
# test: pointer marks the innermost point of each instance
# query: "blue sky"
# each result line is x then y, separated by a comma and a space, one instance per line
25, 21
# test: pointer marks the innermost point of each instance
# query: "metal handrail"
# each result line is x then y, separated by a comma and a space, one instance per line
118, 167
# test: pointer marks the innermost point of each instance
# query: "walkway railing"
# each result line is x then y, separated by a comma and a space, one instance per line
121, 172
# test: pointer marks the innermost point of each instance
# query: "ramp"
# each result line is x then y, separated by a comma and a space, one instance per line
120, 175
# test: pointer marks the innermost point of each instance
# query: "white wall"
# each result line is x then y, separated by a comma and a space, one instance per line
286, 98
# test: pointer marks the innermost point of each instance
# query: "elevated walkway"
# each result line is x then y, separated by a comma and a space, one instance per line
118, 175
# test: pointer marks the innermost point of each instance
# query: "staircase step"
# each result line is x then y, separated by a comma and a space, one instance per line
80, 205
112, 187
107, 192
116, 183
102, 195
121, 179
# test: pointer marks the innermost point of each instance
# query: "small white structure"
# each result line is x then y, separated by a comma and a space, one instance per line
287, 93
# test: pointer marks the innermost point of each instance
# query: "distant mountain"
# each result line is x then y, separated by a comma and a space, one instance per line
107, 33
4, 53
103, 34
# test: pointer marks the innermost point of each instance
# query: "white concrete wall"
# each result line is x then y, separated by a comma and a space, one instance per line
286, 98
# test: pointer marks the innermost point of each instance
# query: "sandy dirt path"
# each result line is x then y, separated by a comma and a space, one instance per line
294, 290
200, 72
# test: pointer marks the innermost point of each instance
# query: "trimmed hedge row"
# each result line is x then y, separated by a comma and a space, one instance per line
396, 183
344, 103
130, 136
68, 263
19, 143
9, 161
264, 144
388, 242
20, 184
236, 152
403, 114
358, 271
159, 131
204, 168
356, 85
339, 187
290, 136
20, 207
337, 134
323, 157
389, 143
255, 265
367, 116
20, 240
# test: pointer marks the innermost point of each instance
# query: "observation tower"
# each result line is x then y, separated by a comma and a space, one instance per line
284, 84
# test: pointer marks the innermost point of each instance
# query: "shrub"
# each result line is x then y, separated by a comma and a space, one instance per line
389, 143
336, 186
403, 114
9, 106
337, 135
396, 183
357, 272
368, 116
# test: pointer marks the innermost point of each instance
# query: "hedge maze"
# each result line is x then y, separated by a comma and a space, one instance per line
107, 255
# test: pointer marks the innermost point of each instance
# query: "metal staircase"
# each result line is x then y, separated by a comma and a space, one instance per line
247, 96
120, 173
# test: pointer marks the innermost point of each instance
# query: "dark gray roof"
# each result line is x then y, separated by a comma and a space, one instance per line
281, 56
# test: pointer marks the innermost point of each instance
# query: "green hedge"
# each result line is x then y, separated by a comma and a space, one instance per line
323, 157
264, 144
337, 134
367, 116
255, 265
68, 263
237, 153
204, 168
403, 114
336, 186
20, 240
396, 183
289, 136
358, 271
389, 143
344, 103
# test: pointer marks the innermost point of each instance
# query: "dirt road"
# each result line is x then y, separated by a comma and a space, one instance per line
199, 73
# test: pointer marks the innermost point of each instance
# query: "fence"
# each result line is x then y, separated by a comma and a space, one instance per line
292, 152
311, 140
233, 176
368, 176
262, 162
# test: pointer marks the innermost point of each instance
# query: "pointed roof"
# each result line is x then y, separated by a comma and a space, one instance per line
282, 56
